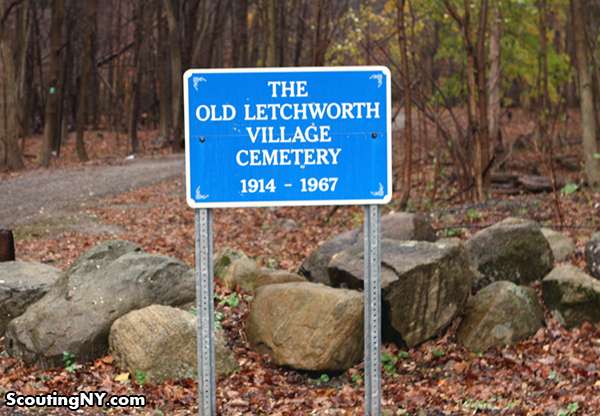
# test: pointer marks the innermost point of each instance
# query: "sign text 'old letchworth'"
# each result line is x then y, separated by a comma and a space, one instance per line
295, 136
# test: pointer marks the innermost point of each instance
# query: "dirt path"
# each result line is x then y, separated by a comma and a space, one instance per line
40, 193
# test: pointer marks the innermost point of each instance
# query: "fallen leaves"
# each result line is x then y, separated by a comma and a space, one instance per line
554, 371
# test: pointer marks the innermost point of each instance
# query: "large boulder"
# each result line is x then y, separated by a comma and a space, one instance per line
425, 285
394, 226
561, 245
102, 285
572, 296
307, 326
513, 249
21, 284
592, 255
500, 314
160, 341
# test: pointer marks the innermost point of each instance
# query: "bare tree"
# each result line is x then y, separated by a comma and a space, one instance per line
164, 77
272, 38
405, 183
87, 66
586, 94
11, 80
477, 88
53, 124
134, 107
495, 78
176, 73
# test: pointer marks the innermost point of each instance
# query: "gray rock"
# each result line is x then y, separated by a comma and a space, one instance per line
592, 255
425, 285
561, 245
307, 326
101, 255
21, 284
103, 285
500, 314
314, 266
160, 341
572, 296
513, 250
394, 226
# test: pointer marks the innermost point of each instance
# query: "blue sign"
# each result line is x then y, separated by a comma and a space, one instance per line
287, 136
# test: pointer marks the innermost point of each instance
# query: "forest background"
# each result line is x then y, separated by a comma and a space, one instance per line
464, 73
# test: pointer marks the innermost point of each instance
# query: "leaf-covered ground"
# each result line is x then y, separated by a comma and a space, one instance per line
557, 372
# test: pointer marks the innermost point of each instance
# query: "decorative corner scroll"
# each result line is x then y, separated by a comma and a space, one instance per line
379, 78
378, 192
197, 81
199, 195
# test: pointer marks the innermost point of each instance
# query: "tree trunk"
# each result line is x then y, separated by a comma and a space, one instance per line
543, 102
318, 54
405, 184
24, 71
52, 125
164, 79
65, 94
472, 107
94, 81
14, 159
586, 94
300, 31
282, 34
12, 95
176, 73
134, 109
483, 137
272, 39
87, 62
240, 32
495, 77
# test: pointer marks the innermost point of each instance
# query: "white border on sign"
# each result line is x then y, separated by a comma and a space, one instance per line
256, 204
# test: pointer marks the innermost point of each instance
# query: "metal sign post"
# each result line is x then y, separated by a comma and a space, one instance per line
267, 137
205, 313
372, 302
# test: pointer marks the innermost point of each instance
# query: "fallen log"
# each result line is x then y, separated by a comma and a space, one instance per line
537, 183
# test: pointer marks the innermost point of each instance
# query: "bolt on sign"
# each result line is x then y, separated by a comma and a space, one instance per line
285, 137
